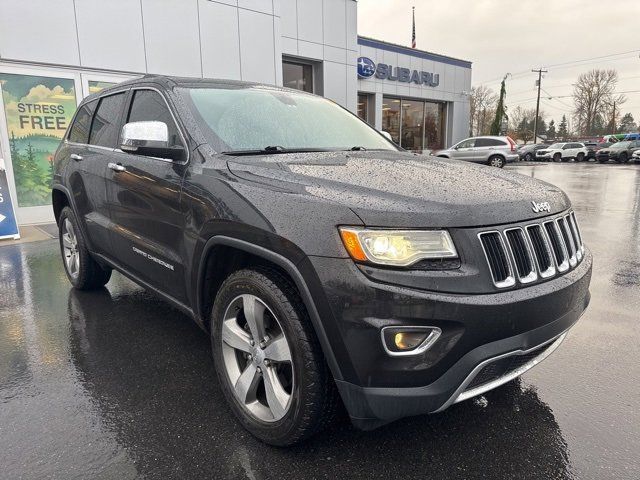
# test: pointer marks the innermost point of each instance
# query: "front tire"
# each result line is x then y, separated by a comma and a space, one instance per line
82, 270
623, 158
269, 363
557, 157
496, 161
528, 157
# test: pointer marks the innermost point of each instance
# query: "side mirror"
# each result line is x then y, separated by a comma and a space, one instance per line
150, 139
386, 135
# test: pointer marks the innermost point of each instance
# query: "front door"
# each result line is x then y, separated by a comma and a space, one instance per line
464, 150
144, 197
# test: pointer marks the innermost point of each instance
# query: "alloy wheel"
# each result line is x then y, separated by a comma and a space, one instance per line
70, 247
257, 358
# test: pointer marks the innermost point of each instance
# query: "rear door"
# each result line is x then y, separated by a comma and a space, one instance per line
485, 147
144, 197
86, 177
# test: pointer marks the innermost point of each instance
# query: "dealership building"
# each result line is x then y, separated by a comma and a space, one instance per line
55, 53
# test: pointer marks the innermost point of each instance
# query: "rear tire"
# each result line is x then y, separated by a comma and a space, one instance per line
82, 270
291, 393
496, 161
580, 157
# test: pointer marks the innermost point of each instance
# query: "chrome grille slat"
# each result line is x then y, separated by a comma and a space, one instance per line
539, 250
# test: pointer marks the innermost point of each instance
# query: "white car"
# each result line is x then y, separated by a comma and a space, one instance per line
636, 156
563, 152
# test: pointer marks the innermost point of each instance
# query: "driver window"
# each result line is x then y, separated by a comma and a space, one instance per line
148, 105
467, 143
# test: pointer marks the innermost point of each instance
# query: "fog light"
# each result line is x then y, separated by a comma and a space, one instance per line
409, 340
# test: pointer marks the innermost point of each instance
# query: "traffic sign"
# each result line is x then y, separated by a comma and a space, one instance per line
8, 222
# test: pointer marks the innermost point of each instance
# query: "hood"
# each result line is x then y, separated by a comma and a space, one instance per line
397, 189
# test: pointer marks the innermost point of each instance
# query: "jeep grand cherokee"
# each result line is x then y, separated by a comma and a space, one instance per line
326, 264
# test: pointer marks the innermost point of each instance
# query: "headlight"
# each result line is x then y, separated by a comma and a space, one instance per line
398, 248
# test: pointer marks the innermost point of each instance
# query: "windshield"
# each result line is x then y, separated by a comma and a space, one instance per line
258, 118
557, 145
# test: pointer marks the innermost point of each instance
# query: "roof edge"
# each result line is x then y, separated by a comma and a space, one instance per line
394, 47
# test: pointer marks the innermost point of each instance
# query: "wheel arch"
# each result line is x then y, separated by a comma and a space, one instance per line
59, 200
222, 255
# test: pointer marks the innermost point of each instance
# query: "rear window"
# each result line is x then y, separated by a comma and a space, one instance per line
79, 131
104, 130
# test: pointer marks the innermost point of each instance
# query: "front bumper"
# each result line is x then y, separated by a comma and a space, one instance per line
476, 329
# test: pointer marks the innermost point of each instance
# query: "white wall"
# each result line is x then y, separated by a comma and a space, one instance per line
324, 31
224, 38
454, 80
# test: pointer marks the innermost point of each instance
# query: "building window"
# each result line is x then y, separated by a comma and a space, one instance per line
391, 117
416, 125
364, 101
298, 76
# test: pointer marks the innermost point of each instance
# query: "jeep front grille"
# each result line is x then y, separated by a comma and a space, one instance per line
537, 250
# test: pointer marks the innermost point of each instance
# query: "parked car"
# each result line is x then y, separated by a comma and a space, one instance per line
528, 152
636, 156
325, 263
563, 152
620, 152
494, 151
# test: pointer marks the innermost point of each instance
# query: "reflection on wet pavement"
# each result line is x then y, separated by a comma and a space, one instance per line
116, 384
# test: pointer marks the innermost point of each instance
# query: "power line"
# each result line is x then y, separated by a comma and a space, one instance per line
592, 58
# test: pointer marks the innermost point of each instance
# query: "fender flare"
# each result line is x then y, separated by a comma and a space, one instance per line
72, 203
291, 269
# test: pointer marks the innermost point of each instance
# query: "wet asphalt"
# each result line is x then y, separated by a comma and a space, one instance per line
117, 384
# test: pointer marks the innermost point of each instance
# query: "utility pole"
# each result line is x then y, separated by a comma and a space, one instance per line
535, 120
613, 119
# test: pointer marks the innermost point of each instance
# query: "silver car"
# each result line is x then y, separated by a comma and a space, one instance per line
494, 151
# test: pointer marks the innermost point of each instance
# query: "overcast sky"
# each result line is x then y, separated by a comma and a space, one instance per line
514, 36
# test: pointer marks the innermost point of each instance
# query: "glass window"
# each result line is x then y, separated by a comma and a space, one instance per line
489, 142
391, 117
253, 118
434, 125
412, 125
468, 143
104, 129
97, 86
79, 132
38, 111
298, 76
149, 105
363, 107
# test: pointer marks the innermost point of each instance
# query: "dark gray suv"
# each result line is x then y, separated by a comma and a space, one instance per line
326, 265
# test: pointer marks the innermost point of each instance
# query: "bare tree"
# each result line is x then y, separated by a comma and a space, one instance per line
594, 97
521, 123
483, 104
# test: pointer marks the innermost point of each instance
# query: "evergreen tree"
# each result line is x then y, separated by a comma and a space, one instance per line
627, 124
562, 128
551, 130
501, 112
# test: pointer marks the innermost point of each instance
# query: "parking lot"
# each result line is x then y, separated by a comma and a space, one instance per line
116, 384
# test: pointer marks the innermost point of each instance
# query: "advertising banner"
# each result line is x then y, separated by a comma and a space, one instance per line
38, 111
8, 223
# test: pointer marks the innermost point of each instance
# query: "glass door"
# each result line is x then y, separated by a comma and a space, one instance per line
36, 106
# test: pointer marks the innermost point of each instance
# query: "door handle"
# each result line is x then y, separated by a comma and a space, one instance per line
76, 157
116, 167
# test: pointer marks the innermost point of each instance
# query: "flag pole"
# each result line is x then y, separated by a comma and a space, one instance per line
413, 31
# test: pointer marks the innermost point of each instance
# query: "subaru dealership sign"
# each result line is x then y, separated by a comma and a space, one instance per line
367, 68
8, 224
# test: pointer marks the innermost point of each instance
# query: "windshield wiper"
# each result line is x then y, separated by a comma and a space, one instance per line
273, 149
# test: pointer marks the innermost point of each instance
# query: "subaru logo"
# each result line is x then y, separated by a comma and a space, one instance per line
541, 207
366, 67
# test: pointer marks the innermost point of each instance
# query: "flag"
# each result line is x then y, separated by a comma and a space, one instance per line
413, 33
